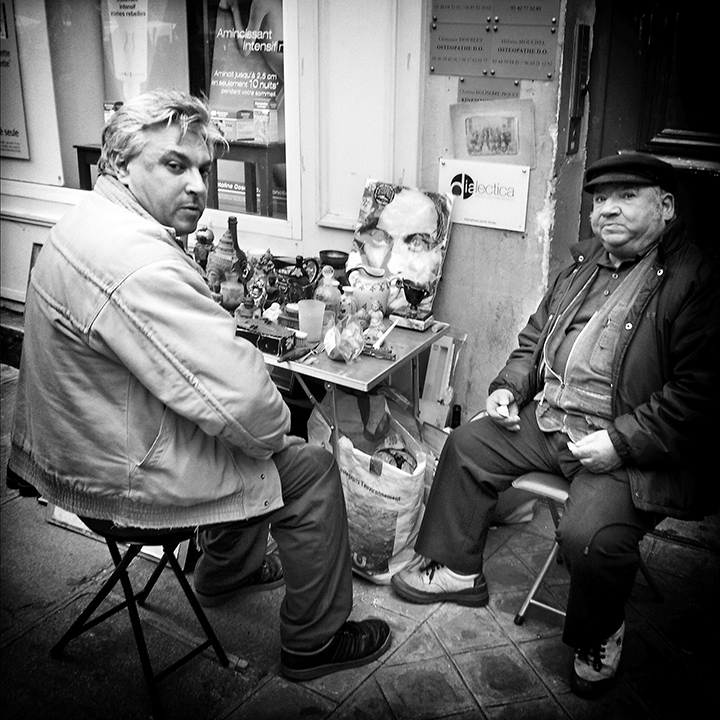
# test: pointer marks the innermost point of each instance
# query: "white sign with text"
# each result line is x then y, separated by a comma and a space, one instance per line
486, 194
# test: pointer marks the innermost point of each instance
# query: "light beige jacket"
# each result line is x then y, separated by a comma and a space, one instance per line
136, 402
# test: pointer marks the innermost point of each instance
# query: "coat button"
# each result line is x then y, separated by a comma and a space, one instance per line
660, 272
628, 326
262, 476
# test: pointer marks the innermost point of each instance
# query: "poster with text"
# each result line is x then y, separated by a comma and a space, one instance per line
247, 91
13, 130
246, 81
144, 47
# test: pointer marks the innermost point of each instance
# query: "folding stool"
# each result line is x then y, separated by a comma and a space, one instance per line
136, 539
554, 490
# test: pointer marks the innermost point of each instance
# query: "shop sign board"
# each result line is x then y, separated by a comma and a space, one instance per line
486, 194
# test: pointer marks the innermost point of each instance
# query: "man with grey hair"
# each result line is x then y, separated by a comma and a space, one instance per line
613, 385
137, 405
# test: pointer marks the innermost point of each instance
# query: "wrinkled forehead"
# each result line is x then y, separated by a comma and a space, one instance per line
410, 212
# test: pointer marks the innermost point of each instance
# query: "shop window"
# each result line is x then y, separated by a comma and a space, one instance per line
102, 52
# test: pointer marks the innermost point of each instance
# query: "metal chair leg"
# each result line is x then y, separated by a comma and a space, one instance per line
530, 597
132, 600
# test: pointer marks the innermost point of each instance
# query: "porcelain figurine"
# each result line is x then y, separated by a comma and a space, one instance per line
376, 327
348, 304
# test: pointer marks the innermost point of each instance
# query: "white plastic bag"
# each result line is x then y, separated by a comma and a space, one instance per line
384, 502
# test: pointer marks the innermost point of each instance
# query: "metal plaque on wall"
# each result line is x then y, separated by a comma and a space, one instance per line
504, 39
471, 89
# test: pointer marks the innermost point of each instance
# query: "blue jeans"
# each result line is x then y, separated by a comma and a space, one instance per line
312, 539
599, 532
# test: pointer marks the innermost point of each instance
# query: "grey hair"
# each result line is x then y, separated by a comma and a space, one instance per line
124, 136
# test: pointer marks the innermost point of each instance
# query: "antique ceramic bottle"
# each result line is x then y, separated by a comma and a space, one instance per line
222, 259
370, 284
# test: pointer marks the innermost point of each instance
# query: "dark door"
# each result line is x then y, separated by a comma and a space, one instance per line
653, 88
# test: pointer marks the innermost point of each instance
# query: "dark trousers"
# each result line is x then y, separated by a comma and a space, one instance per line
599, 532
312, 539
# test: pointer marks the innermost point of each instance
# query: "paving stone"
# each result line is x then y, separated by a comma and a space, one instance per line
429, 689
499, 676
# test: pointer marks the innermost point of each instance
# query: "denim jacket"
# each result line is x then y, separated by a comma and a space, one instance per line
136, 402
664, 373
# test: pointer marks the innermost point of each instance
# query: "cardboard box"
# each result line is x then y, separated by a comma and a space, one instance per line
266, 125
235, 125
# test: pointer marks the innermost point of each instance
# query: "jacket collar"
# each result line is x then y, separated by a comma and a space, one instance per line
113, 190
673, 237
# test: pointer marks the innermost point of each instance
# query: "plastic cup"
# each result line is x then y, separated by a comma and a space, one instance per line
310, 316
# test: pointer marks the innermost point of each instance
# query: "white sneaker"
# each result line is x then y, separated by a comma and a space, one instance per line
595, 667
430, 582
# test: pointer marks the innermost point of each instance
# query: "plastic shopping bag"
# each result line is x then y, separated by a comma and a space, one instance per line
382, 467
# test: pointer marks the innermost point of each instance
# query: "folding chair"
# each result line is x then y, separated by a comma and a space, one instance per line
136, 539
553, 490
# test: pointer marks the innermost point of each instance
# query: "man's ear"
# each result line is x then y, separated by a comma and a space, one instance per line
121, 170
668, 206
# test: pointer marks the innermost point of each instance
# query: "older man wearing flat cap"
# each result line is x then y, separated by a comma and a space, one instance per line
613, 385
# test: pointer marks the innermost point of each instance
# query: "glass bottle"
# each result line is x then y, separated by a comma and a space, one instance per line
328, 291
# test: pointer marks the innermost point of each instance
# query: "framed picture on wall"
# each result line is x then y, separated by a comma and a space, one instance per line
500, 131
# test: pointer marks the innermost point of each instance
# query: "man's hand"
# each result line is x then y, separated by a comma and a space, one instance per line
503, 409
596, 452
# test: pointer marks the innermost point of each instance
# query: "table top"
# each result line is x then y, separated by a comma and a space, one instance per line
366, 372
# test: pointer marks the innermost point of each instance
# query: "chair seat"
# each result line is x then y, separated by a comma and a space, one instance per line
139, 536
554, 491
545, 485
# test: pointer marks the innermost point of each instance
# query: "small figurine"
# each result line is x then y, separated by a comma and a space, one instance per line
273, 312
258, 294
204, 238
348, 304
376, 327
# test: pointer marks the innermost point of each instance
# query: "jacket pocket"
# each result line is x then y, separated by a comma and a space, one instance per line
154, 456
603, 353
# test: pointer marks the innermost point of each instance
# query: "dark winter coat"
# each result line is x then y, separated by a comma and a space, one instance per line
664, 376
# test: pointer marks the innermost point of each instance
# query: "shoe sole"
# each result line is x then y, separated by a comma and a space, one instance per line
589, 690
225, 597
468, 598
321, 670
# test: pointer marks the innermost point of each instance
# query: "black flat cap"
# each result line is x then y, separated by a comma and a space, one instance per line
632, 168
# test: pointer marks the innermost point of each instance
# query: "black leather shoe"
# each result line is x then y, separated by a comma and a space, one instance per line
353, 645
15, 482
268, 577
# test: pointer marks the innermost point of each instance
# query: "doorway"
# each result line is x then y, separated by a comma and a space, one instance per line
651, 89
